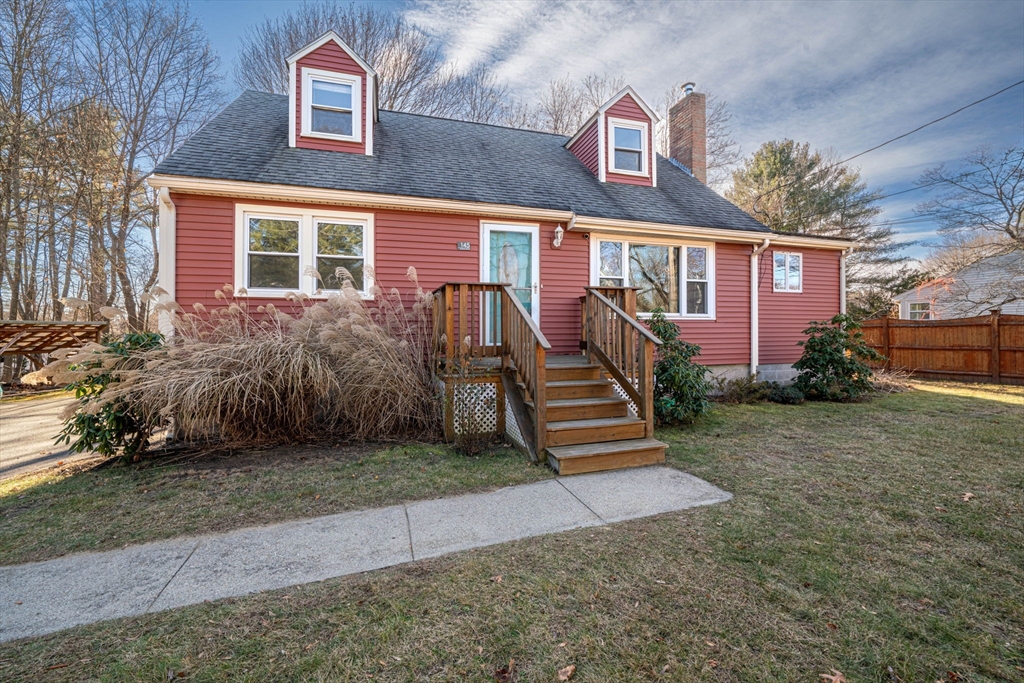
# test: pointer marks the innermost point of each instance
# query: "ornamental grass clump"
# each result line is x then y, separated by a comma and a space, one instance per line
304, 371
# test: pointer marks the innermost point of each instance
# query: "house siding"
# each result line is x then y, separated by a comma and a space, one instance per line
205, 236
585, 148
627, 108
329, 57
427, 241
564, 273
726, 339
784, 315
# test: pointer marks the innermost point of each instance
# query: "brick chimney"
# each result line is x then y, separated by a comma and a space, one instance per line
687, 132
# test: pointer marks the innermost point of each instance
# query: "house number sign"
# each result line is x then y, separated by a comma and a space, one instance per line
462, 246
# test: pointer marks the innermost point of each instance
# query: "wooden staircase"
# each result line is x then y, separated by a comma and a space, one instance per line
590, 427
581, 413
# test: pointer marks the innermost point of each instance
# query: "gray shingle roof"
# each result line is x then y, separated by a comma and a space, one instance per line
422, 156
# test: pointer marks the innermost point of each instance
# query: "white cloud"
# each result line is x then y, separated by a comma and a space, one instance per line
841, 75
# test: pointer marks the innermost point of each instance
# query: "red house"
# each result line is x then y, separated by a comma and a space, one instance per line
596, 228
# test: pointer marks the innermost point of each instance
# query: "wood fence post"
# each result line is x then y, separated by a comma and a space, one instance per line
629, 303
885, 343
449, 321
995, 361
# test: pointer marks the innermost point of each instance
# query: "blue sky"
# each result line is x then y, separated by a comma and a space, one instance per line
835, 74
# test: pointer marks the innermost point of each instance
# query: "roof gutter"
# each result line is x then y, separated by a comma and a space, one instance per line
315, 195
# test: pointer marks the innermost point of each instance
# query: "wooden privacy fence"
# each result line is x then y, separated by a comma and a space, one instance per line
987, 348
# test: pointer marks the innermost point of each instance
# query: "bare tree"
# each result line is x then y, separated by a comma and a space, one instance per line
92, 94
414, 75
151, 65
566, 104
980, 199
978, 209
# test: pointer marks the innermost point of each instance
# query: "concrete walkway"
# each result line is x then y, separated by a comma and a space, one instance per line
43, 597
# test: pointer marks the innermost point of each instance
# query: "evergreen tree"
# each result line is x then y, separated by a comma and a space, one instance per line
791, 188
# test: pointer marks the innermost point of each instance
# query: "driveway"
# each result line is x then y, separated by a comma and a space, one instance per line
27, 428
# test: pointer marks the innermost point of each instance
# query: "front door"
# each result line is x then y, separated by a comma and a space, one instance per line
511, 256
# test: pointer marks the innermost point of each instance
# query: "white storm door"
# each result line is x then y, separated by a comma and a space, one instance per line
511, 255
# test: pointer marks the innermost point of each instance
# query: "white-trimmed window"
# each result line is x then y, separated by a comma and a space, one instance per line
676, 278
278, 251
788, 272
629, 153
331, 105
920, 310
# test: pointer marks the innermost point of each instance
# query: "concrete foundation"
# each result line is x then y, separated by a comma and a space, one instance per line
783, 373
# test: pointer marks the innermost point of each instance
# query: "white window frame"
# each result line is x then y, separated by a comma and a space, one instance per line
645, 140
595, 270
308, 284
786, 289
927, 312
308, 76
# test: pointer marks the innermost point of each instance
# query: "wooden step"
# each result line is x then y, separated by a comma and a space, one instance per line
594, 457
579, 388
598, 430
584, 408
561, 372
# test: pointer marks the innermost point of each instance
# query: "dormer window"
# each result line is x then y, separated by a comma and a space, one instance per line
330, 105
629, 147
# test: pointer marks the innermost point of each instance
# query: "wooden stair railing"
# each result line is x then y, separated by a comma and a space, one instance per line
466, 316
623, 346
524, 358
476, 322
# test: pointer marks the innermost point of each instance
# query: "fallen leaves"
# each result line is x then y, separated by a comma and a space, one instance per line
504, 674
834, 677
967, 497
567, 673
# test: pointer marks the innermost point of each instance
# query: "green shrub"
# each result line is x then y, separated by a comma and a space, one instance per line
749, 390
742, 390
107, 427
789, 394
680, 385
833, 366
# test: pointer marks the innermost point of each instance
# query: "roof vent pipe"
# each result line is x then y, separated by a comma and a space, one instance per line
688, 88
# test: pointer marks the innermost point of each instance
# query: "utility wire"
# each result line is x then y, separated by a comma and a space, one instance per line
890, 141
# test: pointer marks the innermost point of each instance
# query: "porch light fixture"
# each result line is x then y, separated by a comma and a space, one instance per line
559, 234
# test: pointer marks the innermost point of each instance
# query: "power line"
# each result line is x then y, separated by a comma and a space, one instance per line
891, 140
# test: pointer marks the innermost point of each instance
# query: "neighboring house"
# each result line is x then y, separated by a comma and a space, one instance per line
992, 282
322, 178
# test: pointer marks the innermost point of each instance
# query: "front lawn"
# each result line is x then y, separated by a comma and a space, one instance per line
851, 544
75, 508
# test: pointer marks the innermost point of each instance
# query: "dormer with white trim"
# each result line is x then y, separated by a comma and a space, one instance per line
333, 103
617, 142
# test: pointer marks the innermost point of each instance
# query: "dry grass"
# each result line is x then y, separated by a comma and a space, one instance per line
848, 546
331, 367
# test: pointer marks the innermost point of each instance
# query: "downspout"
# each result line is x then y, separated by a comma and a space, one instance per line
842, 279
754, 315
166, 267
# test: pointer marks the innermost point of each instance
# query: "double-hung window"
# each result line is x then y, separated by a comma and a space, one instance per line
629, 147
331, 105
921, 311
788, 272
675, 278
282, 251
